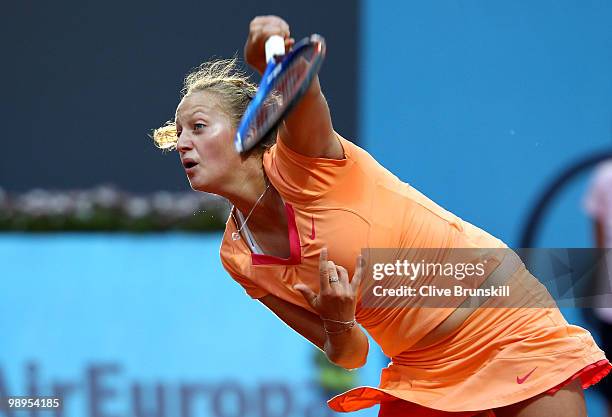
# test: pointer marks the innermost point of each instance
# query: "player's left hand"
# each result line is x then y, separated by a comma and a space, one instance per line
337, 298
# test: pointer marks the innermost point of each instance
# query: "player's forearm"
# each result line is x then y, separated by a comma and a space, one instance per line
348, 349
311, 104
311, 328
306, 323
314, 89
308, 128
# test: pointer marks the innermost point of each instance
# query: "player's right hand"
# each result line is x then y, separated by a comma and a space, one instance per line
260, 29
337, 297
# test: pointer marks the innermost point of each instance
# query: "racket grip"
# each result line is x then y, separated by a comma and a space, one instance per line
275, 45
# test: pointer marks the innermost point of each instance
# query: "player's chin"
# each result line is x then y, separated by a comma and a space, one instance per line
195, 181
199, 183
206, 180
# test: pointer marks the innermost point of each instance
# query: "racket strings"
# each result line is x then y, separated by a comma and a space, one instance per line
293, 78
286, 87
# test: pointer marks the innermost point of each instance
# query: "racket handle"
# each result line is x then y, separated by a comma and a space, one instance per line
275, 45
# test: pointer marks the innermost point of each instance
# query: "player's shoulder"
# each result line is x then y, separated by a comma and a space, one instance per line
234, 261
229, 251
280, 150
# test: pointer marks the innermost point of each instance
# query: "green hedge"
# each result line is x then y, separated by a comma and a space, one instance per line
104, 209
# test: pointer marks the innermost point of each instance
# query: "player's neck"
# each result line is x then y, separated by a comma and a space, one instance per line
263, 213
269, 213
244, 185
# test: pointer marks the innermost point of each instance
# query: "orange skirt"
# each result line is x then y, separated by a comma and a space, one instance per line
390, 406
496, 358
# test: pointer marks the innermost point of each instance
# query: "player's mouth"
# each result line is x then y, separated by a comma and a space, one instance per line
189, 164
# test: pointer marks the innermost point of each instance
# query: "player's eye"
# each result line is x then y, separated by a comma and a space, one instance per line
198, 126
178, 133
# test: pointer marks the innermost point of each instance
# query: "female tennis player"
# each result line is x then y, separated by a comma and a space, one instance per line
306, 196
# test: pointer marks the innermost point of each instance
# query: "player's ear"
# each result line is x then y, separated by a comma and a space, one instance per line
269, 140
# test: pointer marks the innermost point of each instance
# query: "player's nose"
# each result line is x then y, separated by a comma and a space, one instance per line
184, 142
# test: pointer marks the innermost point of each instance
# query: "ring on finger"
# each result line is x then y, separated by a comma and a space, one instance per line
333, 279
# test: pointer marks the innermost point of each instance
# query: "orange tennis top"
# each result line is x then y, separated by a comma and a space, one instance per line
355, 203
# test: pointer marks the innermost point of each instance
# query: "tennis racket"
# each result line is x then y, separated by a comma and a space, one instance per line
283, 83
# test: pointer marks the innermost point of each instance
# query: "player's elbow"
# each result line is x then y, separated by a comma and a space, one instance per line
351, 364
349, 361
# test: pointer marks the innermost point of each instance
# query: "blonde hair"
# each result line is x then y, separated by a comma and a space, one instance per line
223, 78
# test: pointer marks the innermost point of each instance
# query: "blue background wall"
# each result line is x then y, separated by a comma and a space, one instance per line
479, 104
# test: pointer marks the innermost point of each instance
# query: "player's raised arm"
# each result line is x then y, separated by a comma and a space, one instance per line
308, 129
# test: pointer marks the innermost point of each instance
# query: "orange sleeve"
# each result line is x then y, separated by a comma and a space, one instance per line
253, 290
250, 288
304, 178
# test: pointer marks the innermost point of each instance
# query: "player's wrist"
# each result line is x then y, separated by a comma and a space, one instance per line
335, 327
